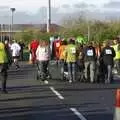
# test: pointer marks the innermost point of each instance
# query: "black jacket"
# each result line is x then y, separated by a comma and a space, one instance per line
89, 54
107, 55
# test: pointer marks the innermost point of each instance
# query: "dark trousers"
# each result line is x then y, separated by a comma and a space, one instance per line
108, 73
21, 55
42, 69
3, 75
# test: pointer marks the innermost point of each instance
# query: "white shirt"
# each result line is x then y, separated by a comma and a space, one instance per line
42, 53
15, 47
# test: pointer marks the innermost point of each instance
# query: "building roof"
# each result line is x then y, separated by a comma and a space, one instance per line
21, 27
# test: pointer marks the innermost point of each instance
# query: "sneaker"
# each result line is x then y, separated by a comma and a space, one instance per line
17, 67
46, 82
70, 81
107, 82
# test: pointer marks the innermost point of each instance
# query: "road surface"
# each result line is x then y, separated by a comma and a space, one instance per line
29, 99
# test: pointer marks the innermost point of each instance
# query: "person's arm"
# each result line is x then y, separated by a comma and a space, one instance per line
65, 53
101, 54
118, 48
95, 53
83, 53
11, 47
113, 52
19, 47
37, 52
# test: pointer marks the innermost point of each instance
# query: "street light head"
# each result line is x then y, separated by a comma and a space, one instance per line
12, 9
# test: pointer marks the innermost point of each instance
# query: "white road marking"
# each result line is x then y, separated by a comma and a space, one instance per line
57, 93
79, 115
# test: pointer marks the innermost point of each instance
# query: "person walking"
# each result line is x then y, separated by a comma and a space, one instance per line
62, 57
116, 47
33, 47
3, 66
22, 45
15, 48
107, 56
42, 57
71, 58
89, 55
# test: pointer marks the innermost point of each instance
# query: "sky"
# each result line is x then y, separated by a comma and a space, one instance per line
34, 11
33, 5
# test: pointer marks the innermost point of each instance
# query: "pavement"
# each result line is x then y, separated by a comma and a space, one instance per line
31, 99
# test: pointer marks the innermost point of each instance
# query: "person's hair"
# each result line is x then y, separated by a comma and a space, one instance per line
64, 42
71, 41
44, 43
90, 43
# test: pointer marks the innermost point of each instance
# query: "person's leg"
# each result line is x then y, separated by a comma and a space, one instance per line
92, 71
69, 72
33, 56
45, 68
22, 55
109, 75
39, 72
117, 62
86, 70
16, 62
3, 75
74, 71
62, 69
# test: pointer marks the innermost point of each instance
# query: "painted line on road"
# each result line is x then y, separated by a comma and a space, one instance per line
57, 93
78, 114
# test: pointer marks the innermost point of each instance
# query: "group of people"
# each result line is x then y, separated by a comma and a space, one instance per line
9, 53
94, 62
40, 56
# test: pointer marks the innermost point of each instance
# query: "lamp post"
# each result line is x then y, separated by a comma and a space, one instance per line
1, 31
49, 16
88, 31
12, 20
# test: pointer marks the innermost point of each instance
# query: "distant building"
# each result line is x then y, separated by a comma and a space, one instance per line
6, 33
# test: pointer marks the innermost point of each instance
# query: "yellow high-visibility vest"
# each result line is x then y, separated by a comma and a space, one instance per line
3, 54
117, 51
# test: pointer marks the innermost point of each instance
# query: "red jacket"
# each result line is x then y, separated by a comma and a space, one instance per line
34, 45
57, 44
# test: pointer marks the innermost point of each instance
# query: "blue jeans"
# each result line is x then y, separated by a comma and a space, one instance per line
72, 71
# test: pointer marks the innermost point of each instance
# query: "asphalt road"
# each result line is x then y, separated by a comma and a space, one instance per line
29, 99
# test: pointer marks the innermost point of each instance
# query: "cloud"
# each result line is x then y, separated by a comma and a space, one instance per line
84, 7
112, 4
81, 5
58, 14
66, 6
